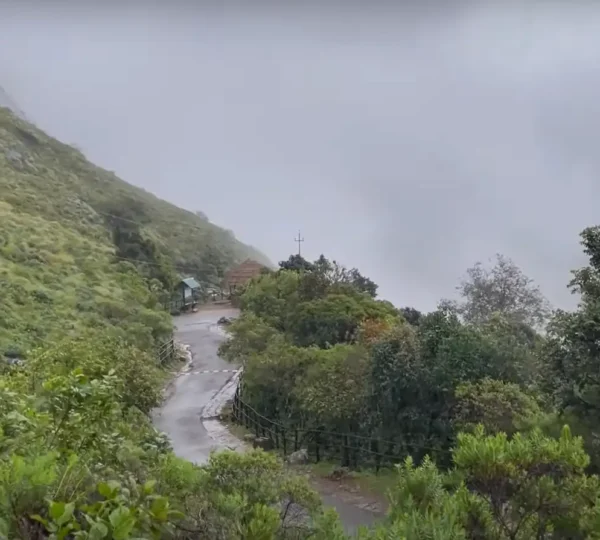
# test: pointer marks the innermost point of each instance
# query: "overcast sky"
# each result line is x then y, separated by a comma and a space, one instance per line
407, 144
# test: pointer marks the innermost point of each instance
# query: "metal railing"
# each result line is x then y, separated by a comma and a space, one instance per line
174, 306
166, 351
349, 449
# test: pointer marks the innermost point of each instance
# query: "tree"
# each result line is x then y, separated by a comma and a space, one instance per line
373, 330
272, 297
318, 303
249, 334
362, 283
412, 315
324, 322
272, 377
416, 370
502, 288
572, 371
402, 400
586, 281
345, 368
323, 276
251, 495
497, 405
336, 275
528, 487
297, 263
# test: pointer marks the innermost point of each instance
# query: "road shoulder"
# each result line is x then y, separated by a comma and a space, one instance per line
216, 429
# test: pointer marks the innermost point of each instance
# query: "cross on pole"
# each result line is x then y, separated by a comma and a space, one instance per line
299, 239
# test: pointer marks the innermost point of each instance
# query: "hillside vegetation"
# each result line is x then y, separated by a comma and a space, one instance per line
81, 320
494, 422
469, 403
43, 177
63, 257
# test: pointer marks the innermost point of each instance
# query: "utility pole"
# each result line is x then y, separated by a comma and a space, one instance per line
299, 240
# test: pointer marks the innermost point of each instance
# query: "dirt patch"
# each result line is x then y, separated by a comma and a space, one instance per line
347, 488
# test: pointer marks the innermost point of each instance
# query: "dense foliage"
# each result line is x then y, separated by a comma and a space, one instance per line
332, 358
504, 289
83, 268
41, 178
526, 487
472, 398
321, 351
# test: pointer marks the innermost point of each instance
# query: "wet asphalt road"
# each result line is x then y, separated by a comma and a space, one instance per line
180, 417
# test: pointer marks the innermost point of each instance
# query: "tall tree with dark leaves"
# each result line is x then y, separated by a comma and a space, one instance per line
573, 370
411, 315
297, 263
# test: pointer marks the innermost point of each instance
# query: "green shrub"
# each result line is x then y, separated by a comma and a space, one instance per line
527, 487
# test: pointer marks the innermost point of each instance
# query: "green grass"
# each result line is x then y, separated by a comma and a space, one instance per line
57, 283
58, 274
44, 177
74, 416
367, 480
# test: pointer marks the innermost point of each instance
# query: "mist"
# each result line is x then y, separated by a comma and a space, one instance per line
408, 143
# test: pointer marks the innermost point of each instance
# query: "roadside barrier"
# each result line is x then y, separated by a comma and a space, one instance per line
350, 450
166, 351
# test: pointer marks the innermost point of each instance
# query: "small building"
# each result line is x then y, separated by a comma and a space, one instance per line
238, 276
188, 291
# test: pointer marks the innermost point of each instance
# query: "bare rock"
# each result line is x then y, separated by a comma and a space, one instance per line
263, 442
300, 457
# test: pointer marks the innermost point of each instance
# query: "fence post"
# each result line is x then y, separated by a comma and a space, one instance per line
276, 429
284, 442
375, 448
317, 449
295, 440
256, 424
345, 453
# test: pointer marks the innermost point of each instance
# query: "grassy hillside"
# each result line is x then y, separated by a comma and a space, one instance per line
58, 270
78, 454
42, 177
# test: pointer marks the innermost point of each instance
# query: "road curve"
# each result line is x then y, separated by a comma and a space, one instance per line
181, 415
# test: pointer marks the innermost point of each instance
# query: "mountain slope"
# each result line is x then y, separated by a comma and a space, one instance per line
42, 176
8, 102
59, 275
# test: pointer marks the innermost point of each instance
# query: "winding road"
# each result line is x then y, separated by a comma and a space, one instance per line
188, 414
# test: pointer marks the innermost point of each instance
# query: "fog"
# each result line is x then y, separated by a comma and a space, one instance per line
407, 143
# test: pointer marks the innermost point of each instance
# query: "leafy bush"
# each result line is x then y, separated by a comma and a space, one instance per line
499, 406
79, 457
530, 486
321, 352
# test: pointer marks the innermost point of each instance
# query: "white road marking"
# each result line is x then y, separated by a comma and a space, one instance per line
207, 372
204, 372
